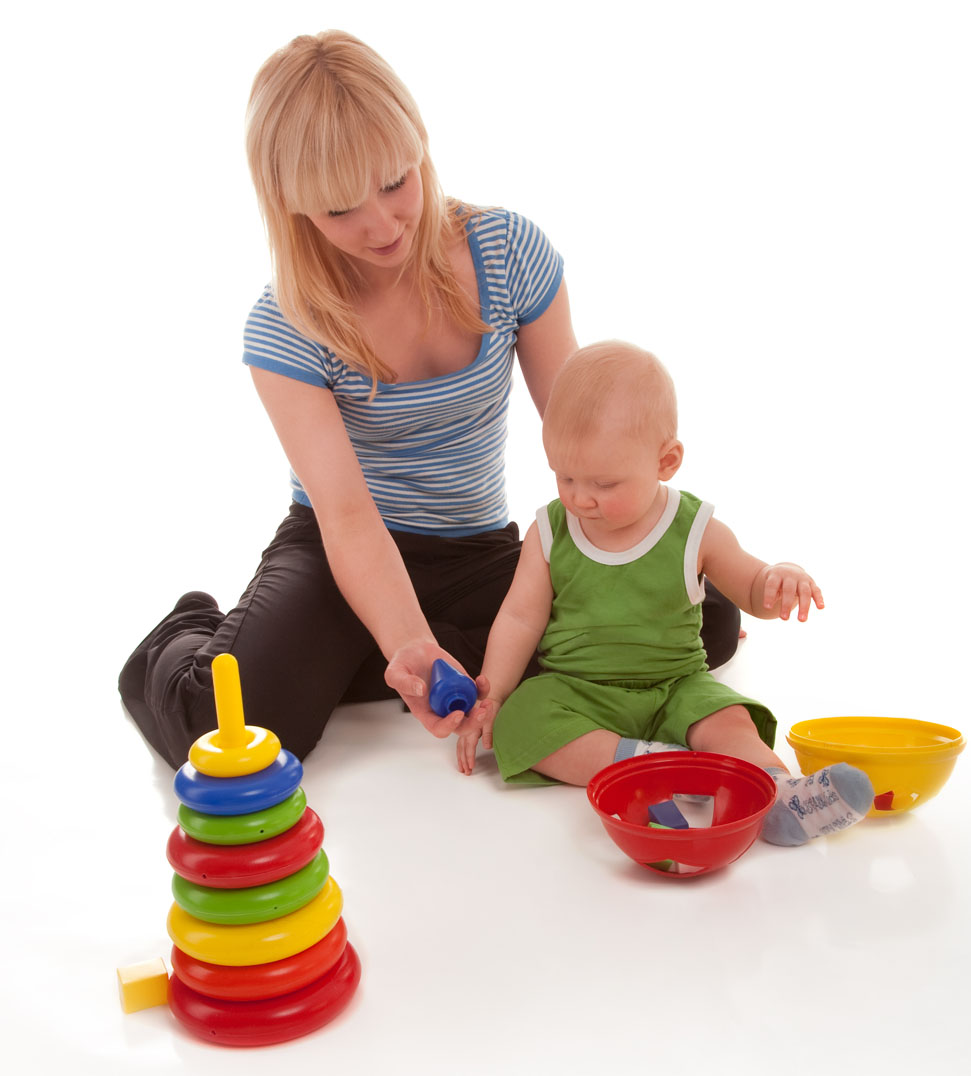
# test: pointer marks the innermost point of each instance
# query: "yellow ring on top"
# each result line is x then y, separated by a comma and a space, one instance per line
209, 755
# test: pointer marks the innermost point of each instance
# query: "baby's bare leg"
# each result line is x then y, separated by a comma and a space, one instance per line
731, 732
576, 762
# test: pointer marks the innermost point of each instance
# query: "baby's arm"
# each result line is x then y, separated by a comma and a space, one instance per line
513, 638
768, 591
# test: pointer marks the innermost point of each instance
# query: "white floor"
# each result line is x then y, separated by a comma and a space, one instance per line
500, 930
773, 199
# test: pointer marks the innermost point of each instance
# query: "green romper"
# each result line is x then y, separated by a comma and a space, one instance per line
622, 649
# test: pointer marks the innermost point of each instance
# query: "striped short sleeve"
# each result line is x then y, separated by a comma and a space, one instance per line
272, 343
534, 267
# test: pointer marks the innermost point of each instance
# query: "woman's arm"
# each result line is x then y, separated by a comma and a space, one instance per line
363, 557
544, 345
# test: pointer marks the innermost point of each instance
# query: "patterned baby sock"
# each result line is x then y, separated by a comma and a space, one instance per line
825, 802
631, 748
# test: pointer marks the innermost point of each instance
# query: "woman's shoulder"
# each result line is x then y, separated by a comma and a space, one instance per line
267, 307
273, 343
509, 237
495, 221
267, 312
522, 267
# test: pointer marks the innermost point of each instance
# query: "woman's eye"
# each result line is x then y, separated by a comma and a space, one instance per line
337, 212
398, 183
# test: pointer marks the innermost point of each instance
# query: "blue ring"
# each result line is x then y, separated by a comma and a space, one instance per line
239, 795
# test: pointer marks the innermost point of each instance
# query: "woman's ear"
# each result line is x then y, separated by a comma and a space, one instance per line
672, 453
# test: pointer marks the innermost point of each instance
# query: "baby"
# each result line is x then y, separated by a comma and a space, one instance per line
609, 589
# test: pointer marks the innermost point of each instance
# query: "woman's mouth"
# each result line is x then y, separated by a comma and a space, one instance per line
383, 252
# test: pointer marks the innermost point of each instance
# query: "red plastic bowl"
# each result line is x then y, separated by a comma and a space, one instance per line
742, 794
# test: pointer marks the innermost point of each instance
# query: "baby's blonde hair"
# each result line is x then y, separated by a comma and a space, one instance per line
612, 381
328, 123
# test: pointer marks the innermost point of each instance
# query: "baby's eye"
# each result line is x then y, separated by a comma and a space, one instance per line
605, 485
398, 183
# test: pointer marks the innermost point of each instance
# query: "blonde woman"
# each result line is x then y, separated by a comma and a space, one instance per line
383, 352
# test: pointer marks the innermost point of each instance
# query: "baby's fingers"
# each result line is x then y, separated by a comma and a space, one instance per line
809, 595
771, 588
789, 596
465, 752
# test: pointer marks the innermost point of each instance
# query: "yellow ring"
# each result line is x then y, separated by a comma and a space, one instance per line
259, 751
257, 943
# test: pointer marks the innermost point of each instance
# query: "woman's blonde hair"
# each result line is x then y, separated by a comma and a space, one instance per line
611, 381
328, 122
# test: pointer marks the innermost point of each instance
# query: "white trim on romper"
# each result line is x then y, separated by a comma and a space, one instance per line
545, 531
695, 586
625, 556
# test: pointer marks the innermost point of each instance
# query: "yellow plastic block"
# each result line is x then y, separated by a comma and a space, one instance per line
141, 986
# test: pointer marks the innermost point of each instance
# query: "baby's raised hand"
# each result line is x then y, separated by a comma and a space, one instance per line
787, 586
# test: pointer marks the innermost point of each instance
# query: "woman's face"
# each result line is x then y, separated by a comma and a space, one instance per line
379, 232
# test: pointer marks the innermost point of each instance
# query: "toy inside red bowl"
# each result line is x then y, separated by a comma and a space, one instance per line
634, 799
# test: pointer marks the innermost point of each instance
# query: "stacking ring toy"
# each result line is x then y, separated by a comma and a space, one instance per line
256, 904
239, 795
250, 982
257, 943
259, 1023
243, 828
228, 866
234, 748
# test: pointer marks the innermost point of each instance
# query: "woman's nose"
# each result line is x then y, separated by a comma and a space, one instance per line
379, 220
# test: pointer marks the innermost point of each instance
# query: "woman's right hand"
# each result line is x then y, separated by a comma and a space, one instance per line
409, 673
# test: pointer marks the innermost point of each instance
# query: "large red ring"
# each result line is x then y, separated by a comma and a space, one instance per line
259, 1023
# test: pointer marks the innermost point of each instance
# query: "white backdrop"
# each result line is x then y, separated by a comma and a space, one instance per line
771, 196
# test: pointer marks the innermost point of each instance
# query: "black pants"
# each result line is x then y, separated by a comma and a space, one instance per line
301, 649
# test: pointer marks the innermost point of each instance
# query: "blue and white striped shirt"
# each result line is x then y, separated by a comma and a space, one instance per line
432, 451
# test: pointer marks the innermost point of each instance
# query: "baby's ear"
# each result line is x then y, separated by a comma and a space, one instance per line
672, 454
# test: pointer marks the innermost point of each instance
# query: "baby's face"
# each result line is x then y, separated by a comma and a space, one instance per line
610, 481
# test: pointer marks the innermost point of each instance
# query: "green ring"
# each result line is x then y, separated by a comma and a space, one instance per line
255, 904
244, 828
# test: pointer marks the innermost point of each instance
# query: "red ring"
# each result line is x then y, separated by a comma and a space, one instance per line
238, 866
259, 1023
250, 982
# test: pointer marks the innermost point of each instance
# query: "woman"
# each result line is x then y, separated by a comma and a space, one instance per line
383, 355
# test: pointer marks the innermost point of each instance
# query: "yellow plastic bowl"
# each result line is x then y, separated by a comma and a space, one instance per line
908, 761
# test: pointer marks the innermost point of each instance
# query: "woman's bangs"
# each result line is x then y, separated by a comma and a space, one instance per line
343, 165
